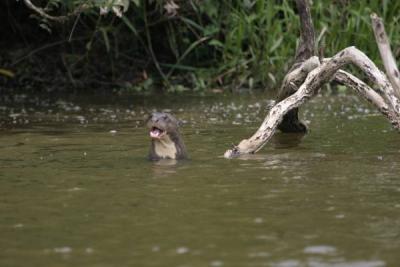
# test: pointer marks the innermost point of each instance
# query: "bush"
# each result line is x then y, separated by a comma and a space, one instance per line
201, 44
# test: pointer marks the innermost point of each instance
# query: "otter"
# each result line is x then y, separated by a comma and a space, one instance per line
166, 141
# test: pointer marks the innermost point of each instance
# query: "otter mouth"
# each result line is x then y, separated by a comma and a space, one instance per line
157, 133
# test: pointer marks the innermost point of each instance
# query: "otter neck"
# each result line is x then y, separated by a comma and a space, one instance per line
165, 147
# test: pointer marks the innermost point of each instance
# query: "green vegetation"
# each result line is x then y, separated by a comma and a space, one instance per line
179, 45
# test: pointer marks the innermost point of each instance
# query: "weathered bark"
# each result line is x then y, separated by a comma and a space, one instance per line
305, 50
386, 53
310, 76
315, 79
368, 93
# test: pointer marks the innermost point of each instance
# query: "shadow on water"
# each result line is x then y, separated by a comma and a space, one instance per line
76, 188
284, 140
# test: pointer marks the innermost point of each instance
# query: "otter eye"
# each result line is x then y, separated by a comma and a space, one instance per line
165, 117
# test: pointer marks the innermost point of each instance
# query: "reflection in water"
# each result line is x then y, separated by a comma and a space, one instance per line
164, 167
76, 194
286, 140
165, 162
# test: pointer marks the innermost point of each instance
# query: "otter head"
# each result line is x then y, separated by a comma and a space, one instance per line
162, 125
166, 141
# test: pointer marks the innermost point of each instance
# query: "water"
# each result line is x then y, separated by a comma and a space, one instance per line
77, 190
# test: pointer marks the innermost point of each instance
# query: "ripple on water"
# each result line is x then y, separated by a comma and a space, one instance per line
320, 249
315, 263
182, 250
63, 250
341, 172
216, 263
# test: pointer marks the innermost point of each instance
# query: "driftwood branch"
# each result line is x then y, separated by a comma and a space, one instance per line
388, 104
60, 19
368, 93
308, 75
305, 50
298, 75
386, 53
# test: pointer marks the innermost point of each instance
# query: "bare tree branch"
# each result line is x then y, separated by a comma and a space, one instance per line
386, 53
315, 79
305, 50
298, 75
367, 92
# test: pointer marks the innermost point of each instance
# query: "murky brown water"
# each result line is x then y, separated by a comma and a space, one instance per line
76, 189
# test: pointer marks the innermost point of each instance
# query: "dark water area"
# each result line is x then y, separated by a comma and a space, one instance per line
76, 188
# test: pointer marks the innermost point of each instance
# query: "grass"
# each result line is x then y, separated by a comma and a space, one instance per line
233, 44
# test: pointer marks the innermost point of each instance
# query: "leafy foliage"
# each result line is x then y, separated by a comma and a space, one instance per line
201, 44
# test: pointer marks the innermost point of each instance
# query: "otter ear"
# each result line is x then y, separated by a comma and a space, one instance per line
180, 123
148, 117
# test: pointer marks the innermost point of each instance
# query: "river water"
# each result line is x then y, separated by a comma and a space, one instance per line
76, 188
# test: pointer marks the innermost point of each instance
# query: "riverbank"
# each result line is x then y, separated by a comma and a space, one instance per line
224, 46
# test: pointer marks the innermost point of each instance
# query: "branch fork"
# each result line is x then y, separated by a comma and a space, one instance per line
305, 80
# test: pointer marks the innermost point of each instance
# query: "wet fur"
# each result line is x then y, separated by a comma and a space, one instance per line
171, 146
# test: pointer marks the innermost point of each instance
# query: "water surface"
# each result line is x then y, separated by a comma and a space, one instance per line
76, 188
